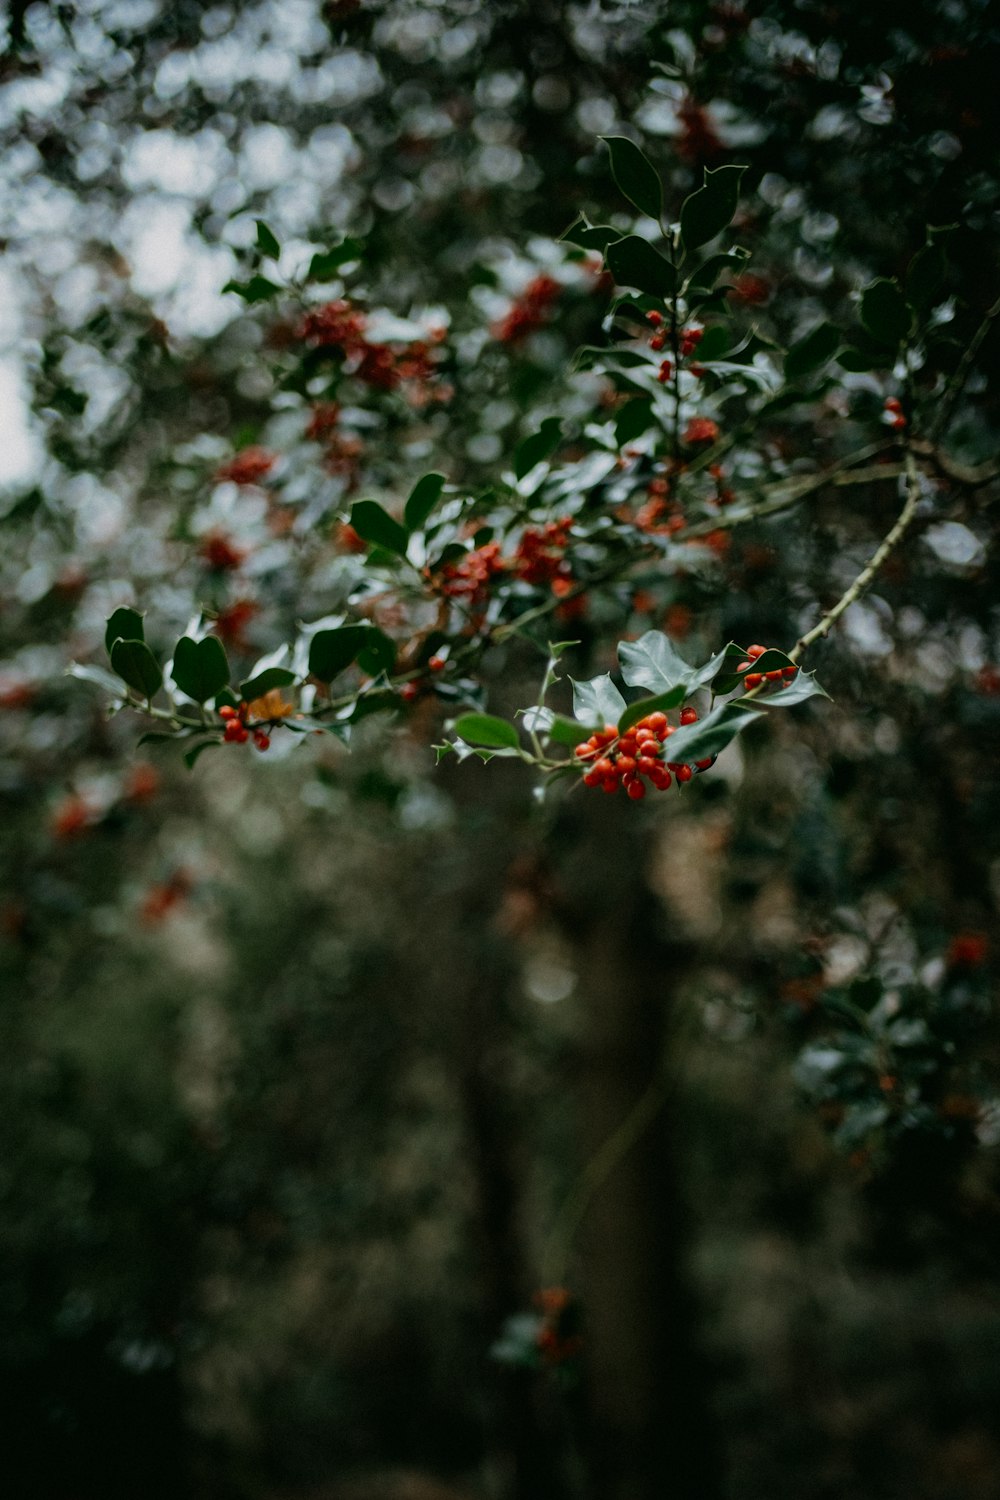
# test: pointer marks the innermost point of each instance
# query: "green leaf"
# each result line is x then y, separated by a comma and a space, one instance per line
423, 497
200, 668
653, 662
590, 236
721, 670
326, 263
884, 312
190, 756
330, 651
635, 175
811, 351
95, 675
709, 735
703, 278
707, 212
635, 418
155, 737
532, 450
485, 729
264, 682
859, 360
136, 665
375, 525
925, 276
542, 720
377, 654
634, 262
257, 289
124, 625
267, 244
597, 702
797, 691
661, 703
714, 344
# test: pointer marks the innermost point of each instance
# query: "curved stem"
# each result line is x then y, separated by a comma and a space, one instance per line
956, 385
867, 574
596, 1172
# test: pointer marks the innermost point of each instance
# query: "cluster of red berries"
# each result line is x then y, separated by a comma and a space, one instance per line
756, 679
529, 312
470, 577
659, 517
540, 553
341, 450
250, 466
701, 430
338, 325
894, 413
232, 622
689, 341
237, 731
624, 759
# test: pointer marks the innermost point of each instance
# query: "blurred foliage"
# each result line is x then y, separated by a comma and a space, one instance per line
302, 1054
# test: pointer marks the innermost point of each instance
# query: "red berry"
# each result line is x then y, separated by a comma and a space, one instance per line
591, 778
227, 712
789, 671
753, 679
586, 751
437, 664
262, 740
605, 768
626, 764
658, 342
684, 773
754, 651
235, 733
705, 765
666, 370
773, 676
654, 317
688, 716
636, 790
657, 722
646, 765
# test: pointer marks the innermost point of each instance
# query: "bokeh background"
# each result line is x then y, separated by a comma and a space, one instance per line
302, 1059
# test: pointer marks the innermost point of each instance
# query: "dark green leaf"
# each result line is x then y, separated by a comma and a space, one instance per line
257, 289
326, 263
375, 525
267, 244
591, 236
485, 729
136, 665
715, 343
597, 702
377, 654
653, 662
423, 497
154, 737
707, 212
709, 735
703, 279
721, 670
190, 756
532, 450
859, 360
200, 668
925, 276
661, 703
635, 175
330, 651
635, 418
796, 691
265, 682
884, 312
811, 351
124, 625
634, 262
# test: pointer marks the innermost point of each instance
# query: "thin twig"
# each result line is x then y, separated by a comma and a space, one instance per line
867, 574
956, 385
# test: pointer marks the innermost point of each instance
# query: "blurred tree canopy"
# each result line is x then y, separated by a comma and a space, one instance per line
380, 1129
